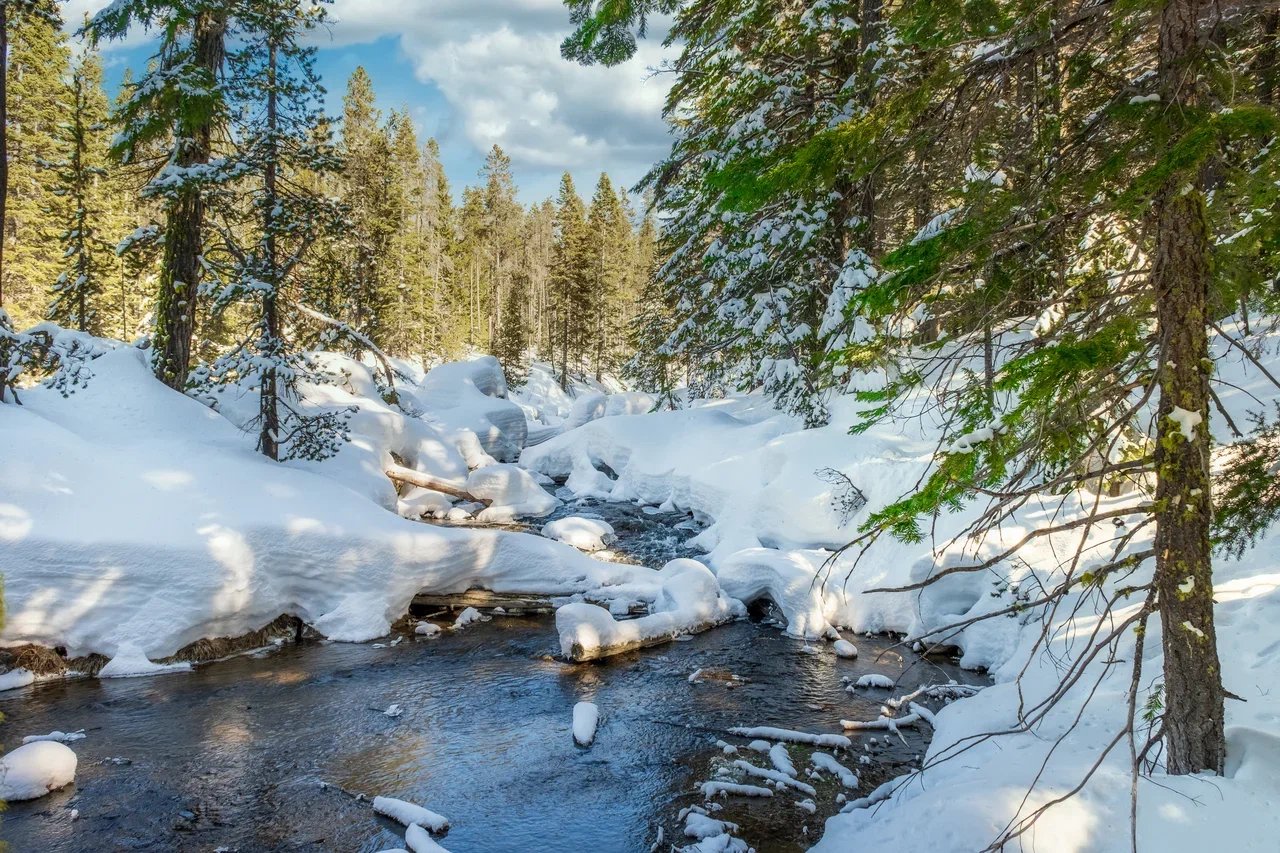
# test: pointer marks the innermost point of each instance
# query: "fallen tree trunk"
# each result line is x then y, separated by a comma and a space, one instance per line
416, 478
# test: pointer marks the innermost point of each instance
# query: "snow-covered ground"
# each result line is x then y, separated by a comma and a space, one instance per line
134, 520
776, 500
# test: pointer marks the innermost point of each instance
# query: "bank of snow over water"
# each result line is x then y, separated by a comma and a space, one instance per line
134, 519
773, 499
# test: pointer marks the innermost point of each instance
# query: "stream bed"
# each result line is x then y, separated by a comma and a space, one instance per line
268, 751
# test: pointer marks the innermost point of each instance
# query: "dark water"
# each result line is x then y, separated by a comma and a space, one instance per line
234, 754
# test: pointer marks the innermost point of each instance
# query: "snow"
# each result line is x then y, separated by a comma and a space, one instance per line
419, 840
875, 679
512, 492
719, 789
130, 661
182, 531
698, 825
469, 616
34, 769
585, 718
16, 678
407, 813
781, 760
778, 778
1187, 421
689, 601
827, 762
585, 534
58, 736
845, 649
791, 736
427, 629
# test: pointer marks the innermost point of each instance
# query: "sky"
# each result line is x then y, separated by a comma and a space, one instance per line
474, 73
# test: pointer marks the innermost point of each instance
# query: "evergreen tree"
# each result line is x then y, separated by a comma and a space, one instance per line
608, 253
180, 101
570, 297
83, 184
278, 97
38, 61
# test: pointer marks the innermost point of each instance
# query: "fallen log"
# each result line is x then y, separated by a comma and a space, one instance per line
514, 603
401, 474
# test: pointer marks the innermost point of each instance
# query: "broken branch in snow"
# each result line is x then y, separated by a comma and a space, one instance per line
401, 474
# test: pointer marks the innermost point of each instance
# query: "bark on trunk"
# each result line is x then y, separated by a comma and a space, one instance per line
4, 145
1193, 692
180, 273
268, 409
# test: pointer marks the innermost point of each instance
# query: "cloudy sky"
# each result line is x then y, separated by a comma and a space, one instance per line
478, 72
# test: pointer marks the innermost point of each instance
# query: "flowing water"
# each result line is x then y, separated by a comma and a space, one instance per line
268, 752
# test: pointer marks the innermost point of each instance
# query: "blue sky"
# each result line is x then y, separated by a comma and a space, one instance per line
478, 72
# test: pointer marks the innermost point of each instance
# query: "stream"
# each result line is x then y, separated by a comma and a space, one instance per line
267, 751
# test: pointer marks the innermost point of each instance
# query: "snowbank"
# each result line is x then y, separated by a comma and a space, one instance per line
511, 491
777, 501
135, 520
585, 534
690, 601
34, 769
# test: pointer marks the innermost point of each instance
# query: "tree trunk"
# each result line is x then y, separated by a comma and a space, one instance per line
269, 402
4, 142
1193, 692
180, 273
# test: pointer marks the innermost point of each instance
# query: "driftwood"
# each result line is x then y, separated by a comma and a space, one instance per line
401, 474
514, 603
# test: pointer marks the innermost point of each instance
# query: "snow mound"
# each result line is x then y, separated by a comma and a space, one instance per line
34, 769
469, 616
787, 579
471, 396
406, 813
690, 601
57, 736
131, 662
15, 678
512, 492
585, 718
585, 534
845, 649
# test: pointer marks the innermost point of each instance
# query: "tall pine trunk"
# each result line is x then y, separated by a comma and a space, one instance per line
180, 273
4, 147
1193, 692
269, 402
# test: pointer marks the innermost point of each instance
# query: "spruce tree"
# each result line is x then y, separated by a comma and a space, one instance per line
180, 101
277, 98
568, 281
83, 184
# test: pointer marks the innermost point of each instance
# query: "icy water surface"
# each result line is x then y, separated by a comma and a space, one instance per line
234, 754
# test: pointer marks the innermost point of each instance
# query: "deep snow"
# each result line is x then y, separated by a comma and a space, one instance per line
773, 505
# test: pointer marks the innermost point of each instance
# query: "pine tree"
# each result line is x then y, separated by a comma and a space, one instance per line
278, 97
180, 100
36, 104
500, 237
372, 195
83, 185
569, 288
605, 273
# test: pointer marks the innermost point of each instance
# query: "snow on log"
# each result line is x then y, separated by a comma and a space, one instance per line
716, 789
698, 825
406, 813
790, 736
774, 776
60, 737
781, 760
420, 841
34, 769
585, 718
690, 602
882, 723
823, 761
401, 474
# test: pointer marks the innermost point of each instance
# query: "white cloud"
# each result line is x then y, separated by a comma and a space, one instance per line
498, 64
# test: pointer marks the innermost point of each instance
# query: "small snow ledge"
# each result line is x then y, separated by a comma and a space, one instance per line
690, 601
